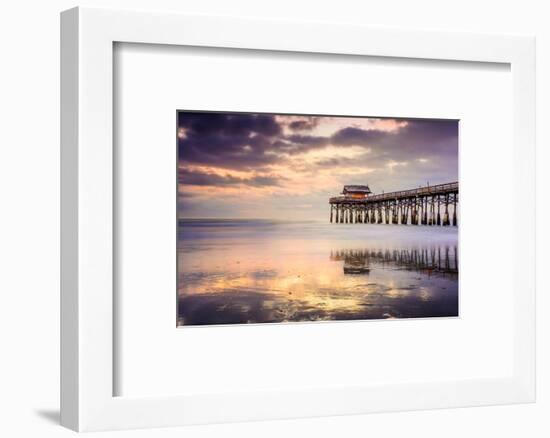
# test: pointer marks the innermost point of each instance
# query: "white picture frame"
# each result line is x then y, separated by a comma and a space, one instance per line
87, 343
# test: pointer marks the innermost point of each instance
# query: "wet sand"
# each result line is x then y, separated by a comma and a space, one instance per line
249, 271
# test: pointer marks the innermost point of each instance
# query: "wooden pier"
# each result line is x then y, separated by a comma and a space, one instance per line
429, 205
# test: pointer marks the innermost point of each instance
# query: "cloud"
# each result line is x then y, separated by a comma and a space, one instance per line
226, 140
298, 123
356, 136
250, 141
305, 124
418, 137
189, 177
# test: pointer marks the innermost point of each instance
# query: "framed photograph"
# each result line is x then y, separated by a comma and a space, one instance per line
276, 219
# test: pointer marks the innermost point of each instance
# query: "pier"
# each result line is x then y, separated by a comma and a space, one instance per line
429, 205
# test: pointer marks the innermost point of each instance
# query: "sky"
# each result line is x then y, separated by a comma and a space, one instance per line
237, 165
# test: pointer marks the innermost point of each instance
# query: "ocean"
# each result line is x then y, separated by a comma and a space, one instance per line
266, 271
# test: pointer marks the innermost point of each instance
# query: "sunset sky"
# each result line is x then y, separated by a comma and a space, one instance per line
286, 167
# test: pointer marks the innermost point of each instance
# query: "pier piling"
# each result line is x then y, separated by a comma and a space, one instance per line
421, 206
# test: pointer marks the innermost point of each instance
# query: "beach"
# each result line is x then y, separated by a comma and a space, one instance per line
266, 271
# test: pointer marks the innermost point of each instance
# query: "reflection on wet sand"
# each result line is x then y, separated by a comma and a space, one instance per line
433, 260
276, 277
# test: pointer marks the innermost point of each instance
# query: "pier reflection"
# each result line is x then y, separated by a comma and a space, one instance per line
426, 260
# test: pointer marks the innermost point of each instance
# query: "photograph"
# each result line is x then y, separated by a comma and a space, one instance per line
297, 218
